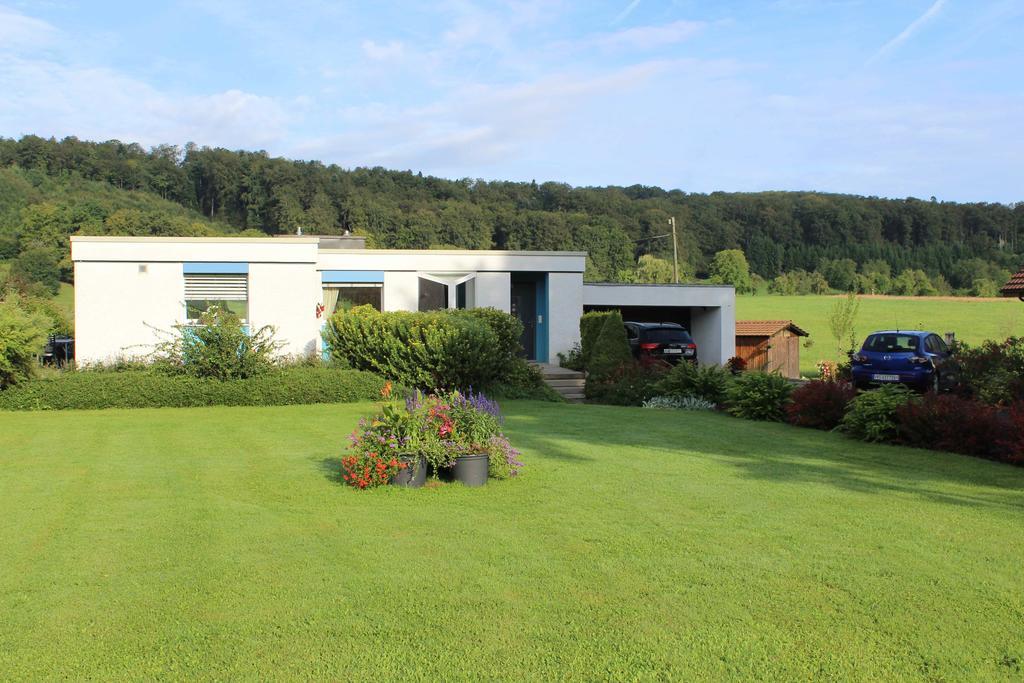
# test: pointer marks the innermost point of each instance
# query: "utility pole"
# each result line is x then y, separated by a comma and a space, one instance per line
675, 252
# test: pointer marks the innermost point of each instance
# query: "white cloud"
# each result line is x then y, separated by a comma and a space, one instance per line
393, 49
621, 16
909, 31
18, 31
478, 125
650, 37
53, 94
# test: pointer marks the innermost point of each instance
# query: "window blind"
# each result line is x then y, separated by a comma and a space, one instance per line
216, 287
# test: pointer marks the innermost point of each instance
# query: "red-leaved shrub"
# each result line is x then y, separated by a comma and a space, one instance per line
819, 404
946, 422
1011, 438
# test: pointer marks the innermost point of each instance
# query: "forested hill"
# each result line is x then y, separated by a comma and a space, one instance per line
250, 191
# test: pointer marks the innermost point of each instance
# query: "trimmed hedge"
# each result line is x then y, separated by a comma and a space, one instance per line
151, 389
590, 329
434, 351
611, 348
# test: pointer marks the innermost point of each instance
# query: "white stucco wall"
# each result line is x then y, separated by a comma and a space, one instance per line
450, 261
714, 331
401, 292
285, 295
493, 290
119, 310
565, 305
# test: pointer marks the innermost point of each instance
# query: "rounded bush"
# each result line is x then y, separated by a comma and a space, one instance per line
872, 415
819, 404
759, 396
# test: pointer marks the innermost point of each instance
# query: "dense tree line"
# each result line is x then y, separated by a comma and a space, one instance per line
780, 233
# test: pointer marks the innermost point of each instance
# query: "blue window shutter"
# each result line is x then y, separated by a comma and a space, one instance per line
350, 276
211, 268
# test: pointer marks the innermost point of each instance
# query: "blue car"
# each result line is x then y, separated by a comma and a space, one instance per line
918, 359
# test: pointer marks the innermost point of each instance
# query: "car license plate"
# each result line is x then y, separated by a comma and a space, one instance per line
673, 351
886, 378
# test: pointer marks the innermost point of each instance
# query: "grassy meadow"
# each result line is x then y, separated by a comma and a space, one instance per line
973, 320
218, 543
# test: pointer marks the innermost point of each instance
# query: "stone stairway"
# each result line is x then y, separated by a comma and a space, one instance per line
568, 383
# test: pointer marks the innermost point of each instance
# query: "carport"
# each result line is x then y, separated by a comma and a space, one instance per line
707, 311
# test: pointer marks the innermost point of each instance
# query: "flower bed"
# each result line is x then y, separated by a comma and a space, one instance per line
435, 431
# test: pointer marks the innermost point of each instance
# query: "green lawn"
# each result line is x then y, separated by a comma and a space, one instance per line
973, 320
217, 543
66, 299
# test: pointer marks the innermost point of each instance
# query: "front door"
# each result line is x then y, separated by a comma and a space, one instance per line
524, 307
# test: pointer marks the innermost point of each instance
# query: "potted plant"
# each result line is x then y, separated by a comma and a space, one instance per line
456, 435
458, 431
381, 449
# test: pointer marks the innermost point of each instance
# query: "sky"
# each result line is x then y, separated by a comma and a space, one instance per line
891, 98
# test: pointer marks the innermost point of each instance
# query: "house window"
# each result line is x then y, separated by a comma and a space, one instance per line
345, 295
433, 295
229, 291
439, 291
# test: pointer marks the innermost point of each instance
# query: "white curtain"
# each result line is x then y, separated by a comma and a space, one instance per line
330, 300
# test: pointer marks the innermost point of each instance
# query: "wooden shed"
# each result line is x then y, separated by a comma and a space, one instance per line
770, 345
1015, 286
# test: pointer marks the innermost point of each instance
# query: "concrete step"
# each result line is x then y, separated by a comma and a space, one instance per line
557, 383
567, 383
563, 375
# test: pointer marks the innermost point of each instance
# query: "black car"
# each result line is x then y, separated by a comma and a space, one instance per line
662, 341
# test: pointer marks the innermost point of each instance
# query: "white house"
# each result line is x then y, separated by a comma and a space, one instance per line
128, 289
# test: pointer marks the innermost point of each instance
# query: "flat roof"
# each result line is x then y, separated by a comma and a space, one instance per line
237, 240
277, 239
480, 252
616, 294
656, 285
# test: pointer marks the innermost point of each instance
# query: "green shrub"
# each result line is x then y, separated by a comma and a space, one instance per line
40, 266
591, 325
9, 247
679, 403
22, 336
573, 359
630, 384
709, 382
524, 381
759, 396
507, 329
88, 389
611, 348
433, 351
994, 371
58, 321
219, 347
872, 416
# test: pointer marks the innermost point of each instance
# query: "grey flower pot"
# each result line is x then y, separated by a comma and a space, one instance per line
413, 476
471, 470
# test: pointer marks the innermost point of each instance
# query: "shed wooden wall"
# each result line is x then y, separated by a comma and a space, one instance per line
780, 352
753, 350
